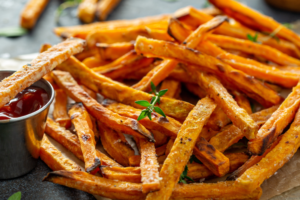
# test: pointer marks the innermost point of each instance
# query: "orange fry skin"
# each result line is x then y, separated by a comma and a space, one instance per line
31, 13
231, 134
122, 174
60, 114
105, 7
86, 10
119, 123
173, 86
242, 101
54, 158
40, 66
182, 148
114, 146
83, 126
274, 160
239, 79
113, 51
135, 160
71, 142
268, 133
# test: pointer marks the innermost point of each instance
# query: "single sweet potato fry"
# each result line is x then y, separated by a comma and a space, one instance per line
231, 134
114, 146
81, 31
71, 142
40, 66
173, 86
104, 7
167, 126
54, 158
213, 159
257, 49
127, 174
86, 10
242, 101
94, 62
160, 138
113, 51
113, 120
169, 146
135, 160
83, 126
268, 133
182, 148
255, 19
89, 91
243, 82
252, 161
31, 13
60, 113
275, 159
149, 167
119, 92
97, 185
49, 78
86, 53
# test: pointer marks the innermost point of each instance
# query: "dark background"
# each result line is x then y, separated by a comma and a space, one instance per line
31, 185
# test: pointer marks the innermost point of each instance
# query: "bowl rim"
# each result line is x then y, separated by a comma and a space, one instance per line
52, 91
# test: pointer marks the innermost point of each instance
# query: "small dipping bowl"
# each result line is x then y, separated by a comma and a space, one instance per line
20, 138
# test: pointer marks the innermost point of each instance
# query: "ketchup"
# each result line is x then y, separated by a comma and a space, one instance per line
29, 100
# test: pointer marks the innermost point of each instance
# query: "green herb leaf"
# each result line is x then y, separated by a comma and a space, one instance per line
12, 31
152, 100
143, 103
184, 176
252, 38
288, 25
193, 158
153, 87
143, 114
149, 115
15, 196
162, 92
159, 111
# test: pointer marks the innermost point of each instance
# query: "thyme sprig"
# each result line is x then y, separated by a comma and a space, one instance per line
184, 176
150, 105
65, 5
252, 38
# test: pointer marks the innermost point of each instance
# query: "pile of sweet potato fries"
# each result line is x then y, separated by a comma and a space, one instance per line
229, 56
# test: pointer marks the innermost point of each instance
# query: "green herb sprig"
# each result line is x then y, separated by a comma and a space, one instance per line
193, 158
252, 38
184, 176
15, 196
150, 106
13, 31
288, 25
65, 5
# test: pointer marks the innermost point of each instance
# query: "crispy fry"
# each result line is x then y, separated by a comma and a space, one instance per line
97, 185
104, 7
160, 138
127, 174
208, 133
231, 134
54, 158
40, 66
174, 88
89, 91
195, 17
252, 161
251, 67
83, 126
82, 31
127, 34
113, 51
86, 10
60, 113
268, 133
48, 78
31, 13
169, 146
111, 89
242, 101
274, 160
182, 148
71, 142
45, 47
149, 167
88, 52
134, 160
255, 19
139, 74
218, 92
119, 123
114, 146
124, 65
252, 87
250, 47
213, 159
168, 126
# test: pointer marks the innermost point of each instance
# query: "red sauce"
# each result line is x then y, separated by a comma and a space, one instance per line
29, 100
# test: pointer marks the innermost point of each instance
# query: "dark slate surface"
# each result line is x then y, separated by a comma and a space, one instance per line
30, 185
